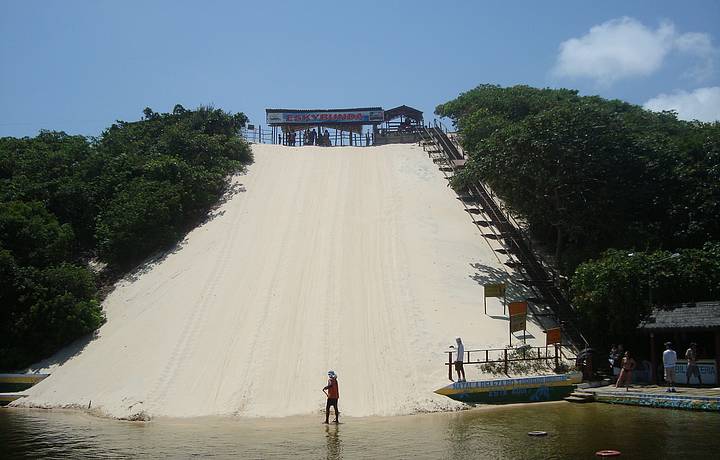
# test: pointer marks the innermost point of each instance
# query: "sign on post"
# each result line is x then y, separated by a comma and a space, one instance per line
553, 336
518, 317
518, 308
494, 290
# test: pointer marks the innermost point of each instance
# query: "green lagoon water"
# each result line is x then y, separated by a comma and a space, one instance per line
574, 432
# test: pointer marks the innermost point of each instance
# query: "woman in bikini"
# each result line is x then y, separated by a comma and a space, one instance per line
628, 364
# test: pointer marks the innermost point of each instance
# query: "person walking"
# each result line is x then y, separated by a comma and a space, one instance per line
669, 361
459, 355
332, 391
692, 366
628, 364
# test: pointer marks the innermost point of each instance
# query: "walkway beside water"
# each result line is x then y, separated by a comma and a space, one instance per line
705, 399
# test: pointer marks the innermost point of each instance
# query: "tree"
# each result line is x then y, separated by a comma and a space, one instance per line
612, 292
121, 197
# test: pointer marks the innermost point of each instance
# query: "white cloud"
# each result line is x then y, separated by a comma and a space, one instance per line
624, 47
702, 104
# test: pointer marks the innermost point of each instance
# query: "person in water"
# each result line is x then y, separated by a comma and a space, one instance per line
628, 365
333, 393
460, 353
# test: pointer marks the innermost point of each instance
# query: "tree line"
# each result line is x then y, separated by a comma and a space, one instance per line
69, 201
595, 179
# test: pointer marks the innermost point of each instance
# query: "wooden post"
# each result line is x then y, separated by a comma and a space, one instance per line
557, 357
506, 361
487, 360
653, 359
450, 363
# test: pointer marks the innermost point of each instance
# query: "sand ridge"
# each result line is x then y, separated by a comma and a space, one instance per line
348, 258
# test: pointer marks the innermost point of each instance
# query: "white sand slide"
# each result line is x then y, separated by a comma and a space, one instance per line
356, 259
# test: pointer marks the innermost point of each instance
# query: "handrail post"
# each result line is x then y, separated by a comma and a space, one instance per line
450, 365
505, 358
557, 358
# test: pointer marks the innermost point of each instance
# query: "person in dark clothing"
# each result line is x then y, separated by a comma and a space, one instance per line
332, 391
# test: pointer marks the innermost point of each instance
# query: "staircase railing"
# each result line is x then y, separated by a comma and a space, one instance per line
539, 277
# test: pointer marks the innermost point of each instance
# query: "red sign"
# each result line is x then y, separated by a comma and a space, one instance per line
518, 308
553, 336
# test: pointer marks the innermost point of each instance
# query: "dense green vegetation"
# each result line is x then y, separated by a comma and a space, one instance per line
68, 200
589, 175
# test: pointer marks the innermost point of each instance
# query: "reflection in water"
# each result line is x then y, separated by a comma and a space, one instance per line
334, 446
574, 431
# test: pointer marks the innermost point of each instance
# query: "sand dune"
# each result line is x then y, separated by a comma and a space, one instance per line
352, 259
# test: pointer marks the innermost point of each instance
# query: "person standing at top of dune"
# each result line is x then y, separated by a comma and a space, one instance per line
332, 391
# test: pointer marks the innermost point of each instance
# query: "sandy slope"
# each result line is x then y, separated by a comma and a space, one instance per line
352, 259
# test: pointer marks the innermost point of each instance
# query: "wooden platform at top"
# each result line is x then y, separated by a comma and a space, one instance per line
693, 398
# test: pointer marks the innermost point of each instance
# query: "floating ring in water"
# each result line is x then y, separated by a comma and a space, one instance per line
537, 433
608, 453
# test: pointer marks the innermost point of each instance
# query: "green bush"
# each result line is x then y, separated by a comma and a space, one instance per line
589, 175
119, 198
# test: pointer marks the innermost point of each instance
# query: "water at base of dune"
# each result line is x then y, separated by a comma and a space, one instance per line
574, 432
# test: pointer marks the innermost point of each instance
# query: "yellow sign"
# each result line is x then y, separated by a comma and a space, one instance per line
553, 336
495, 290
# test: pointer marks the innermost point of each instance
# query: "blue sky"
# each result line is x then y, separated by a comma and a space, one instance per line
79, 65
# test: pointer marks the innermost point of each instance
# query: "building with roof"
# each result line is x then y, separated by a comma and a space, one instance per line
681, 325
357, 125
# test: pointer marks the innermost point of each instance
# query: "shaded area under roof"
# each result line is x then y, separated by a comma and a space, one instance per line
699, 315
404, 110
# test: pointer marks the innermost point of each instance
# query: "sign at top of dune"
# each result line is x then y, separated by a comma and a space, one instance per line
288, 116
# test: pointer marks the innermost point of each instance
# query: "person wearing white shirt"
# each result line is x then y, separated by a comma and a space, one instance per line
669, 361
460, 354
